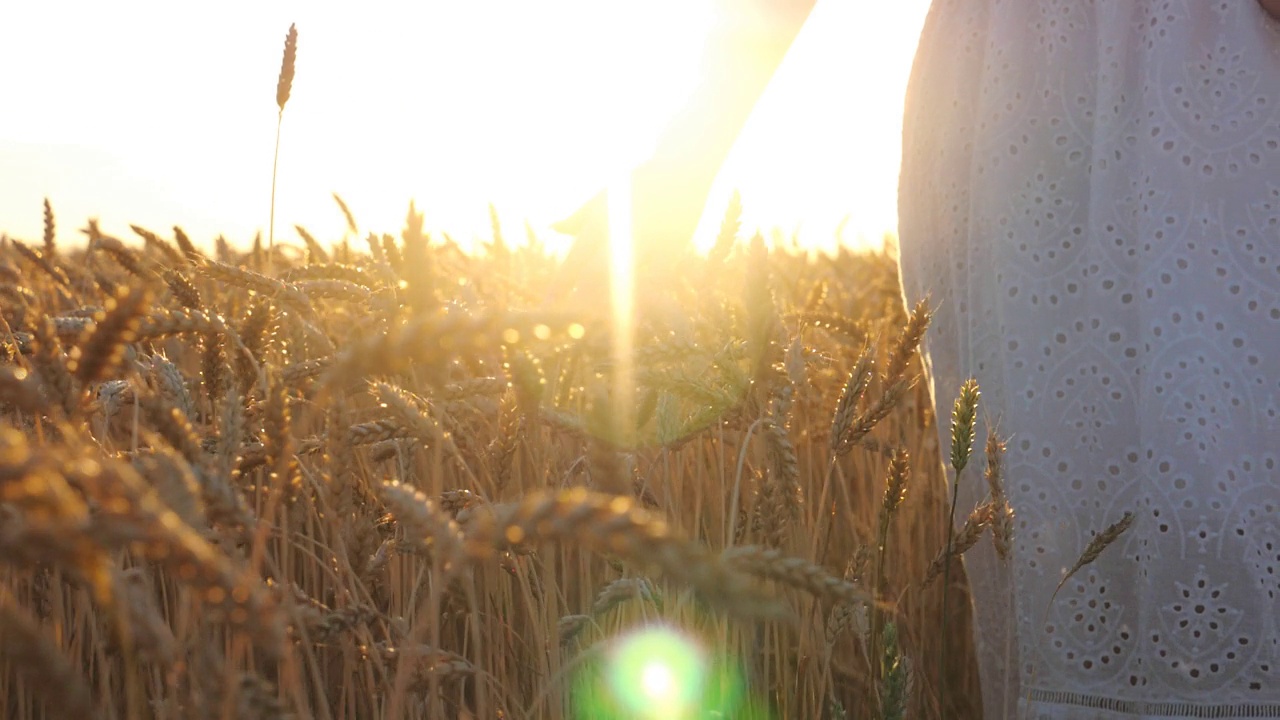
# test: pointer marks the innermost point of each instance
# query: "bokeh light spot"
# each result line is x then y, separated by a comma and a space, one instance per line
657, 673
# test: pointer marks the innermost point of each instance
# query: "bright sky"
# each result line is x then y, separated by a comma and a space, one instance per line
161, 113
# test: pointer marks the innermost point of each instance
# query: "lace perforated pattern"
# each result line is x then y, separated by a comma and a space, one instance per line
1090, 194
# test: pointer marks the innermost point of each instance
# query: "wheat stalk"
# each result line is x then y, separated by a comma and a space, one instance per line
31, 653
284, 86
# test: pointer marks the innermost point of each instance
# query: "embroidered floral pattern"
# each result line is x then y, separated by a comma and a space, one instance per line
1090, 195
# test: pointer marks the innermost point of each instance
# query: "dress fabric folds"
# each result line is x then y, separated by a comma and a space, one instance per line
1090, 196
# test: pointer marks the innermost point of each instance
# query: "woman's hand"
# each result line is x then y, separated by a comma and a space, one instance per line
1272, 7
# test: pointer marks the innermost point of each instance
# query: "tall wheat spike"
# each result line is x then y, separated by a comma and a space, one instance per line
49, 230
284, 86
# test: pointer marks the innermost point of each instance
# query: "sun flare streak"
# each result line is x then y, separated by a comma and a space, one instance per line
622, 301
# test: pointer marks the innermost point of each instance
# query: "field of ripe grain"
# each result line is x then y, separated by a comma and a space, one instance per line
387, 479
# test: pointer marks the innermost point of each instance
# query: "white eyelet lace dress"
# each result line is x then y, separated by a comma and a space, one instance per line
1090, 194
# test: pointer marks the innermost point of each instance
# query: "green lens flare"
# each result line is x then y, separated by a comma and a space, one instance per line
657, 673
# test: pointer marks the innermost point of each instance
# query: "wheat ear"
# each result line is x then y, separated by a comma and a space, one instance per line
771, 564
612, 524
1002, 522
1091, 552
963, 416
284, 86
894, 493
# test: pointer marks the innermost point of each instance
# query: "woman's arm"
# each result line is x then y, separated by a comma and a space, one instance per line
669, 190
1272, 7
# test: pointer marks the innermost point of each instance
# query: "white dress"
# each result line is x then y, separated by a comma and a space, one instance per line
1090, 193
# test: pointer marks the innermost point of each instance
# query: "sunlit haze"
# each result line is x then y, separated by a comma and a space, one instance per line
162, 113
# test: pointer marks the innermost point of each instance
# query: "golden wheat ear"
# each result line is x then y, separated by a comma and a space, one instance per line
284, 87
1092, 551
284, 84
49, 229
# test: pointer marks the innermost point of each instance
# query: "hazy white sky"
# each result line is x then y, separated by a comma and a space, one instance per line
161, 113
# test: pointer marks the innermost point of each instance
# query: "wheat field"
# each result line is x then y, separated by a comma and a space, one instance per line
384, 482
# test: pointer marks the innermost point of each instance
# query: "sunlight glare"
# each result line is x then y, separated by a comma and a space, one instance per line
658, 673
656, 680
530, 106
622, 300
